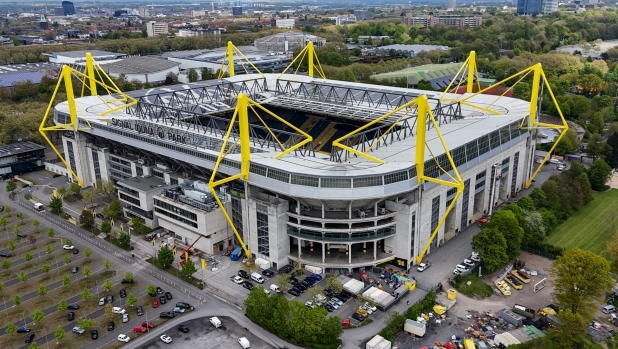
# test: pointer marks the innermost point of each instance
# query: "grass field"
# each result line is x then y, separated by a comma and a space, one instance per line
590, 228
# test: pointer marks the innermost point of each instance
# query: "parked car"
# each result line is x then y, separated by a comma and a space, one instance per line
148, 324
124, 281
362, 313
140, 329
475, 257
298, 289
5, 254
68, 247
468, 263
125, 318
294, 292
183, 328
94, 334
358, 317
99, 215
286, 269
309, 304
140, 311
73, 306
243, 274
78, 330
166, 314
118, 310
166, 339
123, 338
183, 305
110, 299
71, 316
609, 309
268, 273
302, 287
162, 300
102, 301
29, 337
337, 300
155, 304
248, 285
329, 308
159, 290
74, 270
110, 326
179, 310
21, 235
23, 329
123, 293
168, 295
75, 251
237, 279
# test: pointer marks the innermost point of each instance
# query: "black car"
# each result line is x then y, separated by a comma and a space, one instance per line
294, 281
162, 300
302, 287
307, 284
358, 317
57, 175
183, 305
159, 290
73, 306
23, 329
268, 273
285, 269
110, 299
25, 185
75, 251
74, 270
293, 292
298, 289
21, 235
243, 274
94, 334
329, 308
5, 254
100, 215
110, 326
168, 295
166, 314
29, 337
247, 285
127, 281
140, 311
183, 328
71, 316
123, 293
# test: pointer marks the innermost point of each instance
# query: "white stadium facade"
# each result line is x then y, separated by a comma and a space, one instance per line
328, 207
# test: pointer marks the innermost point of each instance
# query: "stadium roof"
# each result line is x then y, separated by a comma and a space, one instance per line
139, 65
10, 79
440, 75
79, 54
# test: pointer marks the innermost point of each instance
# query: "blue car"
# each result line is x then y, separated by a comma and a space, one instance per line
316, 276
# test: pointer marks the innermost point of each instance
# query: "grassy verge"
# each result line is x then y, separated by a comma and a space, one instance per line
115, 242
172, 271
473, 286
47, 173
589, 228
30, 179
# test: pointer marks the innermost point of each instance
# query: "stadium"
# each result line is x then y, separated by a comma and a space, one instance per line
338, 175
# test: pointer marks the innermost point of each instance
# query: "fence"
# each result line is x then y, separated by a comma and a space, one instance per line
538, 252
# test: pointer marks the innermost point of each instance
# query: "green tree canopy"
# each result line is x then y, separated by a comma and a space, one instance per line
598, 173
166, 257
507, 224
491, 246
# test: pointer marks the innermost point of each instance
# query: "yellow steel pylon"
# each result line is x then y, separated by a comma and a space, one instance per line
229, 59
308, 51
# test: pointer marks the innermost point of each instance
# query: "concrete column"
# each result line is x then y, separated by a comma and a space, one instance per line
323, 253
350, 254
350, 210
375, 249
299, 240
297, 207
375, 209
322, 210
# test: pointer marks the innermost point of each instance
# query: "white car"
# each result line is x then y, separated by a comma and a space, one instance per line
562, 167
370, 309
125, 318
118, 310
310, 304
123, 338
475, 257
68, 247
102, 301
457, 271
468, 262
462, 267
166, 339
238, 279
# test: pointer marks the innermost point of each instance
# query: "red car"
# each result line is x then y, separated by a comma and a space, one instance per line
155, 304
140, 329
148, 324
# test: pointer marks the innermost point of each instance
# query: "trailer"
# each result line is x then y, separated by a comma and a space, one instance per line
521, 275
514, 282
524, 311
414, 327
511, 317
236, 254
378, 342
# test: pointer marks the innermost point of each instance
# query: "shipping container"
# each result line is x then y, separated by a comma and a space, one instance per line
511, 317
416, 328
236, 254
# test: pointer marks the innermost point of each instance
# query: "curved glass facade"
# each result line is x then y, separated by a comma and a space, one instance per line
355, 236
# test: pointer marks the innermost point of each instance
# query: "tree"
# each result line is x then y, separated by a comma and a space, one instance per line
316, 291
506, 223
36, 224
86, 272
67, 258
106, 227
189, 268
23, 277
69, 242
166, 257
86, 324
31, 239
582, 278
37, 316
45, 268
250, 266
87, 196
124, 239
597, 147
11, 245
106, 188
59, 333
131, 299
86, 220
42, 290
568, 143
28, 257
128, 276
56, 205
283, 281
107, 285
151, 290
17, 300
192, 75
74, 188
63, 305
86, 295
591, 84
425, 85
16, 229
113, 209
21, 216
10, 186
49, 249
87, 253
66, 281
257, 304
334, 284
62, 191
109, 313
106, 263
51, 232
33, 345
491, 246
598, 173
11, 328
6, 264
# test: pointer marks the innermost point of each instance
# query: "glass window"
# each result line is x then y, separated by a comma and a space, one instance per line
336, 182
279, 175
472, 150
483, 145
262, 234
257, 169
305, 180
394, 177
494, 139
367, 182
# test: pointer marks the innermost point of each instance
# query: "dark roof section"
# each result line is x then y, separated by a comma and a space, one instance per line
139, 65
19, 148
10, 79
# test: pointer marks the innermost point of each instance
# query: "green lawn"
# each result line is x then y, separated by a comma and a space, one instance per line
476, 286
590, 228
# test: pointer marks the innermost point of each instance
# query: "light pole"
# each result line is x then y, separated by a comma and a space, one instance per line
24, 315
57, 267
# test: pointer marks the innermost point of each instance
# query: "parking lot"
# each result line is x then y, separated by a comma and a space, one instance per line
202, 334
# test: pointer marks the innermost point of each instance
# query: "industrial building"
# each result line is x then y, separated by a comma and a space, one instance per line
409, 50
75, 57
426, 21
19, 158
305, 196
67, 8
144, 69
287, 42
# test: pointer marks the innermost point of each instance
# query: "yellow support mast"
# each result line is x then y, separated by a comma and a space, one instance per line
312, 57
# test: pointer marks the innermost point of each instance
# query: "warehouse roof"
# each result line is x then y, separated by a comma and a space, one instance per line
79, 54
139, 65
10, 79
19, 148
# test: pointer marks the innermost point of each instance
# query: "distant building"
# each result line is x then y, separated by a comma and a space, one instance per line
529, 7
550, 6
285, 23
5, 40
284, 42
73, 57
342, 20
237, 10
43, 23
362, 14
371, 39
120, 13
144, 11
58, 11
451, 4
156, 28
22, 157
68, 8
188, 32
28, 39
144, 69
431, 21
198, 13
409, 50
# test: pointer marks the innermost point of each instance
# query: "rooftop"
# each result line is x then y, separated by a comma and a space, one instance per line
19, 148
10, 79
290, 36
412, 48
143, 184
139, 65
94, 53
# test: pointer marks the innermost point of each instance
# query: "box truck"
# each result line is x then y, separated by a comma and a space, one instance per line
236, 254
414, 327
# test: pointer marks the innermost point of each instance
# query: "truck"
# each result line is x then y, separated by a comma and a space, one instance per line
215, 322
414, 327
39, 206
423, 266
378, 342
236, 254
523, 311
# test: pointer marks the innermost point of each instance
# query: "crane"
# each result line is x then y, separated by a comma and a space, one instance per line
182, 262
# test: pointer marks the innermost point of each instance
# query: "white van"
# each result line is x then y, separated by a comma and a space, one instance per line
118, 310
39, 206
244, 343
275, 288
257, 278
215, 322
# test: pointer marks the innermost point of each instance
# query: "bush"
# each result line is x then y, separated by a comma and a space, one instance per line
396, 321
545, 247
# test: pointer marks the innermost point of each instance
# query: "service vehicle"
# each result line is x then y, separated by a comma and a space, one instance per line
423, 266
